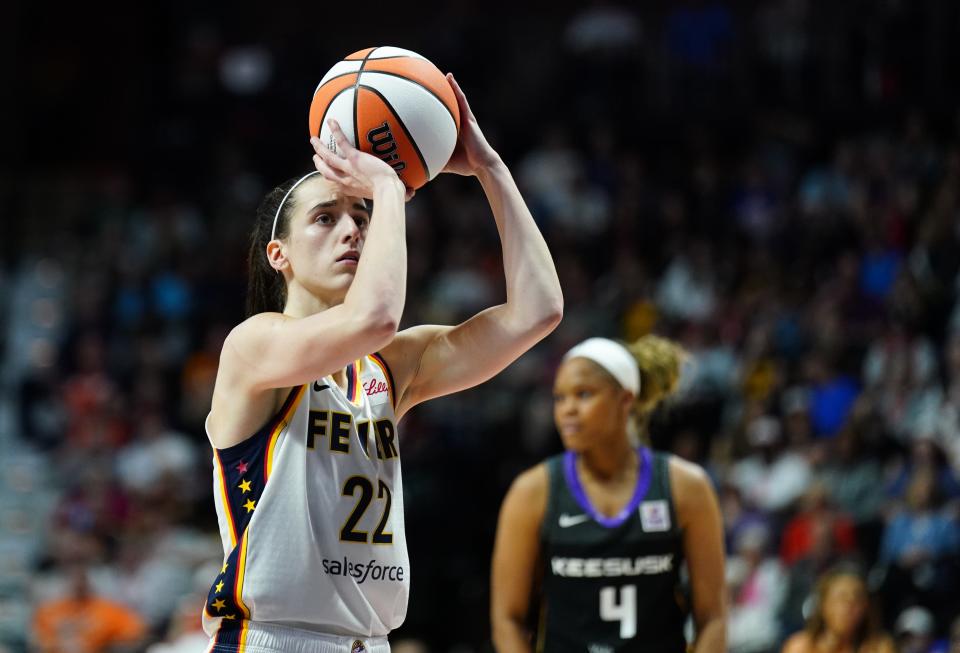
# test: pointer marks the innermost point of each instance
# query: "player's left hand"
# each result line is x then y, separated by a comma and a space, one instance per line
473, 152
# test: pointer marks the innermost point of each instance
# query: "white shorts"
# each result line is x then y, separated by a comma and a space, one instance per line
253, 637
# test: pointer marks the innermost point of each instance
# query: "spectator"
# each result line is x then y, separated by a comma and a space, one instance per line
920, 548
832, 396
841, 619
802, 576
686, 290
773, 477
920, 532
914, 630
816, 512
82, 622
158, 460
852, 475
755, 582
924, 455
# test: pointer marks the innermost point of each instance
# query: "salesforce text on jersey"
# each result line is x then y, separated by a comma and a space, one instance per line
361, 572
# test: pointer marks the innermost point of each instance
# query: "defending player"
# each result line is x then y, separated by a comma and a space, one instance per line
607, 526
311, 387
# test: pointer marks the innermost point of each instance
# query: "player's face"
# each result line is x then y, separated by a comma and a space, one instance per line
590, 409
844, 605
325, 240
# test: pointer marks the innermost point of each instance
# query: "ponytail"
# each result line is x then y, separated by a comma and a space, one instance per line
266, 287
660, 362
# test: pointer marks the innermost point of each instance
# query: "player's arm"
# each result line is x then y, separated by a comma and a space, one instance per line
515, 556
271, 350
431, 361
699, 516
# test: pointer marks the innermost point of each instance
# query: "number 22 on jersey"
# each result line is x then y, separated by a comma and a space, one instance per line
349, 532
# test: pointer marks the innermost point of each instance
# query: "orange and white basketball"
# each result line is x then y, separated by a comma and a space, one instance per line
394, 104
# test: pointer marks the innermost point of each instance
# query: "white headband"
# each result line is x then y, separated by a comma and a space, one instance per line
611, 356
273, 232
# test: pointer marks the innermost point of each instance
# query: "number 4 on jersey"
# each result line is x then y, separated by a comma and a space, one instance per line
624, 610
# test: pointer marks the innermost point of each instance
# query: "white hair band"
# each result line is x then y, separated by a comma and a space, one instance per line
611, 356
273, 231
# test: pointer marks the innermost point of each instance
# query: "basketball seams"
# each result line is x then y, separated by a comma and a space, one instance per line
396, 114
356, 95
326, 109
393, 51
357, 56
427, 89
340, 68
335, 77
393, 56
328, 93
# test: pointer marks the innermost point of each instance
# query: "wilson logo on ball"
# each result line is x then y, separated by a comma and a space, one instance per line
385, 146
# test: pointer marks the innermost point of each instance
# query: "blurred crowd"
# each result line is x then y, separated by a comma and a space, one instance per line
775, 185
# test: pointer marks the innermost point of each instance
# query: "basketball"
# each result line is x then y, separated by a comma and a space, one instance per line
394, 104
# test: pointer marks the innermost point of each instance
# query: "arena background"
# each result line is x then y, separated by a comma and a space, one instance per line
775, 184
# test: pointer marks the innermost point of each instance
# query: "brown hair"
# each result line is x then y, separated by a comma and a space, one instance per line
869, 628
266, 287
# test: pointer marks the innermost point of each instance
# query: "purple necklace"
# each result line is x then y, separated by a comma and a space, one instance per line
644, 475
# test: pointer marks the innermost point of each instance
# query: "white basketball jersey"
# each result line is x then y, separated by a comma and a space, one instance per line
311, 515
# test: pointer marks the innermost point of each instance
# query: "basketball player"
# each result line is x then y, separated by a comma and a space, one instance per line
604, 528
311, 387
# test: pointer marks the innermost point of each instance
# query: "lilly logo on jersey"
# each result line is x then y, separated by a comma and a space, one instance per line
377, 391
358, 647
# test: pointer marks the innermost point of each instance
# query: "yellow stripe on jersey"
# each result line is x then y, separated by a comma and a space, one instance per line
225, 498
241, 567
355, 394
281, 424
244, 629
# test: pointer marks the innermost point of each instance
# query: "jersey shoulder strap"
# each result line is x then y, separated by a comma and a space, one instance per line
557, 493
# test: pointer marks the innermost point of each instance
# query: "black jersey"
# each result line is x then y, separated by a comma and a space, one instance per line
612, 584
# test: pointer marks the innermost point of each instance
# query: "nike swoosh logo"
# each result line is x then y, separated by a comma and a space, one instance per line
317, 387
566, 521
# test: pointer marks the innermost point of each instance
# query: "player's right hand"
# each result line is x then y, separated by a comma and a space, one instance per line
356, 173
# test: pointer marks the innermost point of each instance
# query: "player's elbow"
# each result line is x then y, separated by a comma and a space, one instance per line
547, 317
378, 326
553, 313
507, 631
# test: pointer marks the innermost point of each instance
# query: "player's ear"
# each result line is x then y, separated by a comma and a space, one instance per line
277, 255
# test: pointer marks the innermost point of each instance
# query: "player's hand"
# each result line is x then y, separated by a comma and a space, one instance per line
473, 152
355, 172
